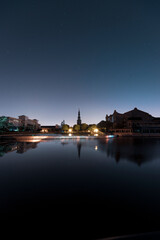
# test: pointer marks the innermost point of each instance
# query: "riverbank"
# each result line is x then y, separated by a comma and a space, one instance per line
137, 134
37, 137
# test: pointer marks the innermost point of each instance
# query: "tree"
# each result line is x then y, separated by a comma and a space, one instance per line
91, 127
76, 128
5, 125
65, 127
102, 126
84, 126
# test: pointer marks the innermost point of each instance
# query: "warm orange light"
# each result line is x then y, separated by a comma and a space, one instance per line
34, 140
96, 148
70, 130
96, 130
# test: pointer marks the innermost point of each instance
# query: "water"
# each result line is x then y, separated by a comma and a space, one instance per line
112, 178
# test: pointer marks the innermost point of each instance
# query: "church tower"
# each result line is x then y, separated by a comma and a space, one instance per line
79, 118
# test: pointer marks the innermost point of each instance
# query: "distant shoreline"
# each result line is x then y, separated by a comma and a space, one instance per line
38, 137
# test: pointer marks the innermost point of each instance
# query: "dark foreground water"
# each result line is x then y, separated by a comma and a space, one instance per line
111, 185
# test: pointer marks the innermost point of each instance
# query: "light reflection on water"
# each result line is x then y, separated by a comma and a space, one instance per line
122, 173
136, 150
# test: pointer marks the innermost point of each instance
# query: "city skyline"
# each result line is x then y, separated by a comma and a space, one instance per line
59, 56
79, 121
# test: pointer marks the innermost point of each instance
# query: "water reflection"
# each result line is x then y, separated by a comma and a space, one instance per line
96, 147
25, 146
19, 147
83, 171
79, 145
137, 150
7, 147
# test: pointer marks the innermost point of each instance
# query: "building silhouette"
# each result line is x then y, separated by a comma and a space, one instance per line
79, 118
134, 121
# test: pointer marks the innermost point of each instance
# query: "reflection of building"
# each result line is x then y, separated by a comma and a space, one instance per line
134, 121
78, 143
79, 118
23, 122
137, 150
7, 147
20, 147
24, 146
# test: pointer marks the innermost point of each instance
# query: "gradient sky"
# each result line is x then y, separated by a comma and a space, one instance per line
97, 55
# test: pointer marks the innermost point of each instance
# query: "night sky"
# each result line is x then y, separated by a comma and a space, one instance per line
97, 55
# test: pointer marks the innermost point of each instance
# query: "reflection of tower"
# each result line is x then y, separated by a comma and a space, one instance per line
79, 118
79, 149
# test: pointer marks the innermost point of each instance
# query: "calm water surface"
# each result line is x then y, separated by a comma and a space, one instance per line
120, 177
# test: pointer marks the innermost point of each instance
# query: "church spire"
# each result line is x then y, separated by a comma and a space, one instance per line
79, 118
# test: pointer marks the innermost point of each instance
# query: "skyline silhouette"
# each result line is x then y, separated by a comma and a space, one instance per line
57, 56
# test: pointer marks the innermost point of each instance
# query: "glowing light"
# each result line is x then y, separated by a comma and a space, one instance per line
34, 140
96, 148
39, 137
110, 136
44, 131
96, 130
69, 134
96, 135
70, 130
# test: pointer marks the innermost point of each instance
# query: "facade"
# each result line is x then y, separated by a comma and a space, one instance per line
23, 123
13, 121
47, 129
79, 122
29, 123
134, 121
51, 129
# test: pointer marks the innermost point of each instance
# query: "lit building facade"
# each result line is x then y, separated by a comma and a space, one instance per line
29, 123
23, 122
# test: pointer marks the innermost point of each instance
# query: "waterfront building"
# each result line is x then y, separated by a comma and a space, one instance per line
47, 129
51, 129
23, 122
13, 121
29, 123
79, 118
134, 121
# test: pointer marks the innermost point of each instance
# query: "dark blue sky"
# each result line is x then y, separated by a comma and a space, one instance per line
97, 55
